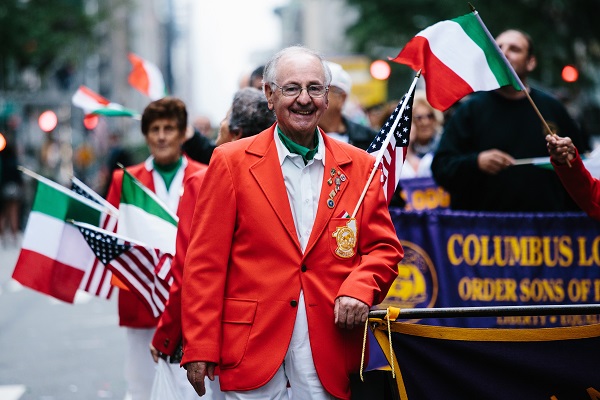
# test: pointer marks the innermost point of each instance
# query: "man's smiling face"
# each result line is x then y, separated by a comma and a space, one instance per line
298, 116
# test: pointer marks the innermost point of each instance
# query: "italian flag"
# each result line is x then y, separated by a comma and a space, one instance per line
457, 57
94, 104
147, 78
143, 217
55, 256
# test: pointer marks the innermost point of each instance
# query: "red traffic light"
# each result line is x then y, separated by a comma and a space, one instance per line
90, 121
47, 121
569, 73
380, 70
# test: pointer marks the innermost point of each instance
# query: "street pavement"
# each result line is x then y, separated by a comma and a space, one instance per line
51, 350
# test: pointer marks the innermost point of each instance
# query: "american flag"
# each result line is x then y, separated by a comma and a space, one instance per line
144, 270
97, 278
392, 160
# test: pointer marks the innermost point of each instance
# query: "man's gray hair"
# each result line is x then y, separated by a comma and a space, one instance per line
271, 66
250, 112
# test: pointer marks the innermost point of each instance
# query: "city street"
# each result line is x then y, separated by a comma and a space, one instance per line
51, 350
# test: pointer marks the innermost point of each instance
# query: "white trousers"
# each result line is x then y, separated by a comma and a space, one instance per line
140, 370
298, 369
139, 365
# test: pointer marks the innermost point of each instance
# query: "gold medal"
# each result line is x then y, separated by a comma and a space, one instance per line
345, 237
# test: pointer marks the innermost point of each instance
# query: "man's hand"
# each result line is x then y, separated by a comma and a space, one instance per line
350, 312
493, 161
197, 371
156, 354
560, 149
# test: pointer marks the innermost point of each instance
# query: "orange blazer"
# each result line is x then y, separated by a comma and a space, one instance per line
244, 268
168, 333
132, 311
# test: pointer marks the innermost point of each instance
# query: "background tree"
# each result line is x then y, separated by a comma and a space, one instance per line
564, 31
41, 36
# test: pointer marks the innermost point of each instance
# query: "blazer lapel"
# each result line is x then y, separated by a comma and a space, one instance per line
268, 175
335, 161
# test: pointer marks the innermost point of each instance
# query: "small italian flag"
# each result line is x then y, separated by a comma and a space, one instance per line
143, 217
94, 104
54, 255
147, 78
457, 57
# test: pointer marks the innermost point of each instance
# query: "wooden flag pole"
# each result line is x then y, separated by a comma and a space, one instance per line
385, 143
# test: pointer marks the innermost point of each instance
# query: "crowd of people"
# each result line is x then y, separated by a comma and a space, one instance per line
273, 281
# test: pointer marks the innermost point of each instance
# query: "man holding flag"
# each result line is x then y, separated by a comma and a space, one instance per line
476, 158
163, 124
278, 280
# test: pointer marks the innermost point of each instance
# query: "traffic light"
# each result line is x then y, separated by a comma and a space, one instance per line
48, 121
569, 73
90, 121
380, 70
2, 142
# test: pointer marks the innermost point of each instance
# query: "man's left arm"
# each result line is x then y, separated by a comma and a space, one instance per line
380, 252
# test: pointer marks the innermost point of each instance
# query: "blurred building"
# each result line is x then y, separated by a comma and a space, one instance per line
322, 25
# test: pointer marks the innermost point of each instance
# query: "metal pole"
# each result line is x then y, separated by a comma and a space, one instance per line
508, 311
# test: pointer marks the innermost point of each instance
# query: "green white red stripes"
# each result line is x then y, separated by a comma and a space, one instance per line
92, 103
457, 57
144, 218
54, 255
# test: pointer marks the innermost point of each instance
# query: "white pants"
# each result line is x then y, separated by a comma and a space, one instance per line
140, 370
139, 365
298, 368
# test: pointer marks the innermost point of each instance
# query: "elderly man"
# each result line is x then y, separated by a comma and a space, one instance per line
278, 280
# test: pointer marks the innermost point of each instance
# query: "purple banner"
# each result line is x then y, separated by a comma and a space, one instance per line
462, 259
423, 194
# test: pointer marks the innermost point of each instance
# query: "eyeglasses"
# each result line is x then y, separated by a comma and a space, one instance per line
422, 117
293, 90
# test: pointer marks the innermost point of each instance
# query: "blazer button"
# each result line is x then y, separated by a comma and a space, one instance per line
293, 303
303, 268
166, 342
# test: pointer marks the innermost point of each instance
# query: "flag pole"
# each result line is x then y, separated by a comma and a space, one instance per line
491, 311
514, 74
386, 142
70, 193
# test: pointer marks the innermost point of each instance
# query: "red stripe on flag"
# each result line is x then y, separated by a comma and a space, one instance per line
444, 87
143, 260
97, 280
90, 93
138, 77
47, 275
135, 283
